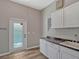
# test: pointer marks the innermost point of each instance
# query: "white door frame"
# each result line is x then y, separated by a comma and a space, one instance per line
11, 36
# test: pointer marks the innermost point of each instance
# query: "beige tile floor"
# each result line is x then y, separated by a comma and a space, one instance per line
29, 54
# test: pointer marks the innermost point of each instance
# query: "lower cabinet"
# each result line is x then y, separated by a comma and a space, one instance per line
48, 49
54, 51
67, 56
68, 53
43, 47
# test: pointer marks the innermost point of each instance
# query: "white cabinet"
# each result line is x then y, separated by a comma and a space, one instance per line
50, 50
43, 47
67, 53
67, 56
71, 15
66, 17
53, 51
57, 19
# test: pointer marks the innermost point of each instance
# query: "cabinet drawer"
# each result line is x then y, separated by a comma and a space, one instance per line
69, 51
54, 46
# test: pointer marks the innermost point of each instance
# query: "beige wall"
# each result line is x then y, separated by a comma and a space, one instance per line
34, 27
9, 10
68, 33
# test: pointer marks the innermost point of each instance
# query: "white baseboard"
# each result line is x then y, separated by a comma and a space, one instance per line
32, 47
3, 54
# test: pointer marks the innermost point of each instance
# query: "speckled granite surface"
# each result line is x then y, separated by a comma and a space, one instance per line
58, 41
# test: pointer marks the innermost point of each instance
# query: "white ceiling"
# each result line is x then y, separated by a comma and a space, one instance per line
37, 4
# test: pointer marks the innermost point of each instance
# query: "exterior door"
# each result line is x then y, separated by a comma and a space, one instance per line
18, 38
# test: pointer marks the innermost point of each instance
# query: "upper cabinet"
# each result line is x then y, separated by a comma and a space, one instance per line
71, 15
57, 19
66, 18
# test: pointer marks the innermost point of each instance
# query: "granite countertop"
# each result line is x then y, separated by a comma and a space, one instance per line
58, 41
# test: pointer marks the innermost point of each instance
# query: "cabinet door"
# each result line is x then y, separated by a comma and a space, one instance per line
53, 53
43, 47
71, 15
57, 19
67, 56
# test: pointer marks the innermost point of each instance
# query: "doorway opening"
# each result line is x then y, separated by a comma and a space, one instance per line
17, 35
